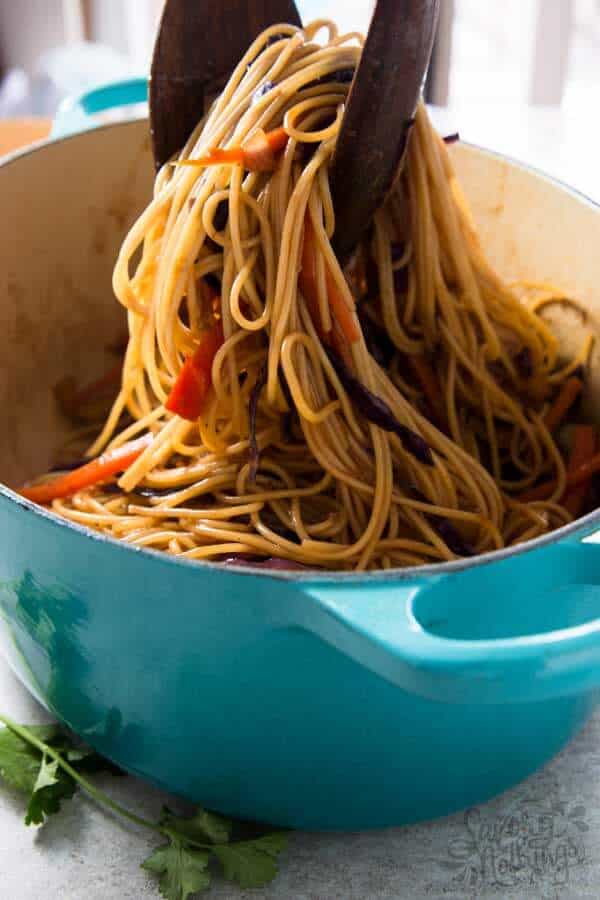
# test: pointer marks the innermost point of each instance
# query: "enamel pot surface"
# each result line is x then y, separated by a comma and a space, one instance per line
313, 700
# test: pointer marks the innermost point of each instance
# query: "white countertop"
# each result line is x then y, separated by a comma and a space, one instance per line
550, 823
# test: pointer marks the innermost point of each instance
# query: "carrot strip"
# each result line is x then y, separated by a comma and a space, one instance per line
341, 313
340, 309
576, 475
584, 471
566, 398
430, 385
258, 154
579, 473
308, 276
338, 341
583, 449
94, 472
215, 157
277, 139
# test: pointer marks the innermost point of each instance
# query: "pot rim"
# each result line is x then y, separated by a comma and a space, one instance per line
582, 526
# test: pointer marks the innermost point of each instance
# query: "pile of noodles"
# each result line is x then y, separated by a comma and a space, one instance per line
294, 469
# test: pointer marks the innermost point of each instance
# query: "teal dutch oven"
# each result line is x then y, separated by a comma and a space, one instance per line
313, 700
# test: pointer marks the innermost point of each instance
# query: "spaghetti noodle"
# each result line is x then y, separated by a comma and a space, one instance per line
389, 414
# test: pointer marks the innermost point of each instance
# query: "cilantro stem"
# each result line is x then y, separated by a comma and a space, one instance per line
99, 796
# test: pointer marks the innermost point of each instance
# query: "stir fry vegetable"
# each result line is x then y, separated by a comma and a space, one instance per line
190, 391
583, 449
378, 412
88, 475
567, 396
258, 154
340, 311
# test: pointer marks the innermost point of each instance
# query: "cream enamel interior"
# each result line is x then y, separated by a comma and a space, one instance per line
68, 204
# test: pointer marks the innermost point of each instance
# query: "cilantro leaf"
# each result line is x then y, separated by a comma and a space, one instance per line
182, 870
47, 763
203, 826
251, 863
20, 761
27, 768
47, 776
52, 785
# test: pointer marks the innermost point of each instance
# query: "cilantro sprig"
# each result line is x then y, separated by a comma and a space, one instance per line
49, 765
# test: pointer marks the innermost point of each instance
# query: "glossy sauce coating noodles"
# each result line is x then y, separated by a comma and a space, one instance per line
387, 415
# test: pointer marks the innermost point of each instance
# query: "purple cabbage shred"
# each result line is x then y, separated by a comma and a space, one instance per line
375, 410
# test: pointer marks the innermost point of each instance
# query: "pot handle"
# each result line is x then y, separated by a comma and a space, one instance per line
77, 114
378, 626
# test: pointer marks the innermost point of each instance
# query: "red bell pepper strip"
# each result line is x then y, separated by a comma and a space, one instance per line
188, 395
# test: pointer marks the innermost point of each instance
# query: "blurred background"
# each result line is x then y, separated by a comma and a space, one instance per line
540, 52
509, 73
